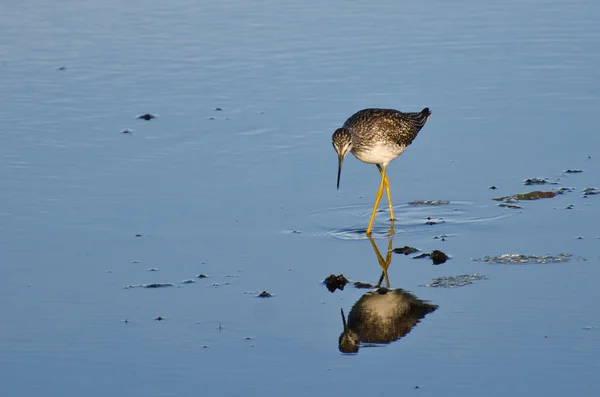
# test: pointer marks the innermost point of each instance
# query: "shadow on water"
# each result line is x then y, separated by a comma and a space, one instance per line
383, 315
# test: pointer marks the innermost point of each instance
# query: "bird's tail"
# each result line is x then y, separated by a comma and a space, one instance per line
420, 118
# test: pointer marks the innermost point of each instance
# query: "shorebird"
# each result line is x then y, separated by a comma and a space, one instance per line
377, 136
382, 316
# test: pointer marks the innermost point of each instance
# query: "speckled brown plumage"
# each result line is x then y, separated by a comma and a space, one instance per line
377, 136
389, 126
383, 316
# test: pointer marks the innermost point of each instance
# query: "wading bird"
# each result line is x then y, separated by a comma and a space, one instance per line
378, 136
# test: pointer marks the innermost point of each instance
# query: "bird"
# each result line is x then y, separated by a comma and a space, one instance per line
382, 316
378, 136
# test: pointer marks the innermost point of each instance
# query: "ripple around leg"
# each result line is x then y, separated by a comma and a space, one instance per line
380, 232
411, 219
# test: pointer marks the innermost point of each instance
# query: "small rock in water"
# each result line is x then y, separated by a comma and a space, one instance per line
218, 109
146, 116
265, 294
570, 207
62, 68
493, 187
334, 282
202, 276
126, 131
153, 269
406, 250
159, 318
572, 171
438, 257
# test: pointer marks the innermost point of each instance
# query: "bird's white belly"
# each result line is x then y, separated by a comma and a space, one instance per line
379, 154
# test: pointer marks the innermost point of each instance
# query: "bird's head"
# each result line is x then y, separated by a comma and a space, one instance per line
348, 342
342, 143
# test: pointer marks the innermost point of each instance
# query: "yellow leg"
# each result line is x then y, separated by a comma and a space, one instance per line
387, 190
377, 199
384, 263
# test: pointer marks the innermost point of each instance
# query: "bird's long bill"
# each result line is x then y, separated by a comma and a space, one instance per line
340, 161
344, 320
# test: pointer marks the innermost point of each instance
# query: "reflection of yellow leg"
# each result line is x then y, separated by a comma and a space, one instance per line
377, 199
384, 263
387, 190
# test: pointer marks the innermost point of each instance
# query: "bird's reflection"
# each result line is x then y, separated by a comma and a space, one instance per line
384, 315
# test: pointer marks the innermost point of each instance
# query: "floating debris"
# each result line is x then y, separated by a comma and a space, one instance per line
588, 191
264, 294
189, 281
443, 237
429, 202
539, 181
536, 195
572, 171
455, 281
406, 250
430, 221
138, 235
159, 318
510, 206
362, 285
438, 257
525, 259
151, 285
146, 116
563, 190
493, 187
334, 282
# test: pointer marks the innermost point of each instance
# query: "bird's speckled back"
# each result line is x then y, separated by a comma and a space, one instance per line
388, 126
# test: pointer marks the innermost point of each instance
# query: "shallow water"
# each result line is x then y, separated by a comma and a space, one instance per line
248, 197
